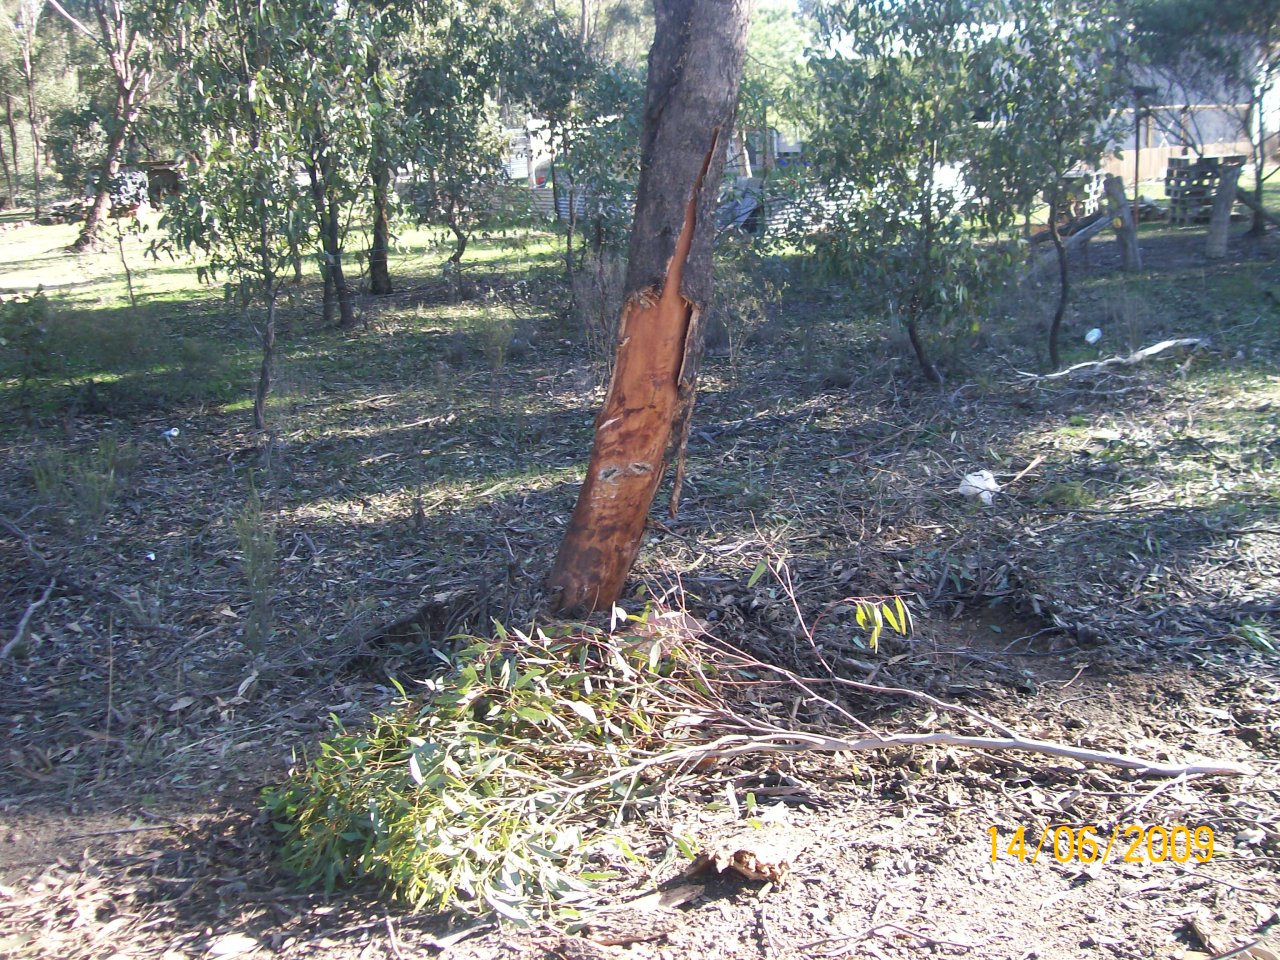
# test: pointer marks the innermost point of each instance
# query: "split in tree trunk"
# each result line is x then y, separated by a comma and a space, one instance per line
694, 69
1127, 232
1220, 216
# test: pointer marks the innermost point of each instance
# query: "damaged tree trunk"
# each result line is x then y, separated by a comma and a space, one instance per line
695, 66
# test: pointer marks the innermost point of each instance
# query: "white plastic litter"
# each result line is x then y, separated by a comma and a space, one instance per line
981, 484
171, 433
1093, 336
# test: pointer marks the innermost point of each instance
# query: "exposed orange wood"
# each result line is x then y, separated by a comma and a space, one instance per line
634, 434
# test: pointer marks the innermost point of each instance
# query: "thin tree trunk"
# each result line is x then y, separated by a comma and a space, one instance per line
329, 297
572, 217
33, 121
695, 66
380, 176
379, 271
346, 307
268, 362
335, 284
1130, 255
1064, 282
922, 299
1220, 217
90, 234
460, 238
10, 196
1259, 225
13, 138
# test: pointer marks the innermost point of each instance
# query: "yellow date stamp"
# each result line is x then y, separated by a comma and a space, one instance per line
1131, 843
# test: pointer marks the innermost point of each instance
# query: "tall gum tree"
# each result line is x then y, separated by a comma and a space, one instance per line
123, 30
695, 66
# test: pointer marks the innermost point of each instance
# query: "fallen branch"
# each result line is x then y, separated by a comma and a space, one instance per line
1071, 244
1090, 367
20, 635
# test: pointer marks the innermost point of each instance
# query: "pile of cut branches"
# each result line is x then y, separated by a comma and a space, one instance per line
497, 788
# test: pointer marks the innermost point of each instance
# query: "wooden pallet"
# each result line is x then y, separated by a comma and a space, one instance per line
1192, 185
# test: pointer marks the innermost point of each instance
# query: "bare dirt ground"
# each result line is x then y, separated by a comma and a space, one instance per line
1121, 593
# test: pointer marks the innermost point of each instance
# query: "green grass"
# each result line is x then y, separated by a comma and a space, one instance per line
180, 340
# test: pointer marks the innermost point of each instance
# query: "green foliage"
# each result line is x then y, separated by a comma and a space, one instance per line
84, 485
488, 793
897, 140
24, 331
603, 159
453, 131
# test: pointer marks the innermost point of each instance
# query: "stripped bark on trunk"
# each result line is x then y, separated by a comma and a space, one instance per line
695, 66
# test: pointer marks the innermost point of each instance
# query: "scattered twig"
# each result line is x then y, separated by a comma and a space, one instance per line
118, 833
874, 930
20, 635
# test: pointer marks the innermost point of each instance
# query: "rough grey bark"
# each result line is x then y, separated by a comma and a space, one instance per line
1131, 256
1220, 216
695, 66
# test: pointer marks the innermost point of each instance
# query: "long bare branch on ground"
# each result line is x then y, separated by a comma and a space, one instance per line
1090, 367
763, 739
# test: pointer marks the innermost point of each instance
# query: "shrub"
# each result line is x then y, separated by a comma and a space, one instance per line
488, 793
84, 484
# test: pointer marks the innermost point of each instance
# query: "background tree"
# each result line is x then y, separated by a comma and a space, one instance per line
898, 95
124, 31
1051, 88
239, 208
604, 164
25, 28
553, 68
772, 77
321, 87
695, 66
458, 148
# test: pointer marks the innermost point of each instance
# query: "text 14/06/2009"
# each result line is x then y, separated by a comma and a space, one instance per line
1135, 843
